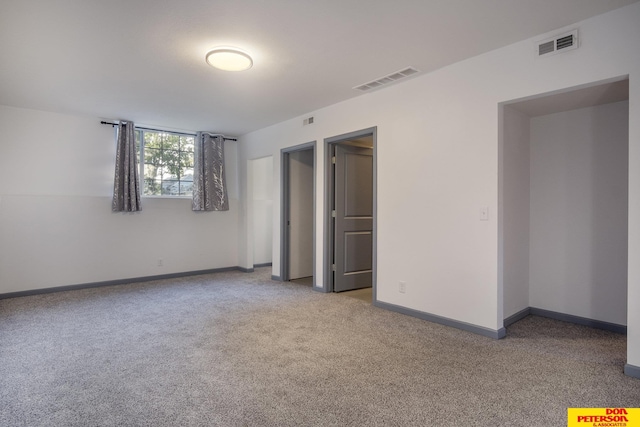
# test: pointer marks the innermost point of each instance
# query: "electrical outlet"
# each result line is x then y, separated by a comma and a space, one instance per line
160, 262
402, 287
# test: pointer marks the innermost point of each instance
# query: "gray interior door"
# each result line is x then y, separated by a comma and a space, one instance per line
353, 227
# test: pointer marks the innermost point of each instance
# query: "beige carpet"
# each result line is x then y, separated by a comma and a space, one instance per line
235, 349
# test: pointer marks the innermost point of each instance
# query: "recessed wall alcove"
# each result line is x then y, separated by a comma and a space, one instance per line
563, 205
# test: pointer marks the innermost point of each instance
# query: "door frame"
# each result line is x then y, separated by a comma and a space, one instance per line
329, 149
284, 207
503, 321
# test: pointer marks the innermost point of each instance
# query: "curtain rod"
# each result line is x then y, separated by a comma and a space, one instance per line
169, 131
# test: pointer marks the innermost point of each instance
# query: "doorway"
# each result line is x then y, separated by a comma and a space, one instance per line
261, 193
563, 207
297, 260
350, 212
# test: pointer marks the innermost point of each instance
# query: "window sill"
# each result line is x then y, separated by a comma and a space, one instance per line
168, 197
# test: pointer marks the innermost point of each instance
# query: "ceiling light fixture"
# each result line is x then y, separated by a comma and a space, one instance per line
229, 59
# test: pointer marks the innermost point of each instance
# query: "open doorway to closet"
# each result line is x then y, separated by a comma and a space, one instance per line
298, 214
261, 208
563, 206
350, 212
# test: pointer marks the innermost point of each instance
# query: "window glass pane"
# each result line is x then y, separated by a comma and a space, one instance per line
186, 184
187, 144
171, 142
170, 187
187, 160
151, 172
163, 172
151, 187
171, 159
152, 140
186, 188
152, 156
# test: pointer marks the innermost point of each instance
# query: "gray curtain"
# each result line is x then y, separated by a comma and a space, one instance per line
209, 183
126, 184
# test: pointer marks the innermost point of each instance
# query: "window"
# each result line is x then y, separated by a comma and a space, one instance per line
166, 162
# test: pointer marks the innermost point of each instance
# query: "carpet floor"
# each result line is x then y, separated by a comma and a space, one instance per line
237, 349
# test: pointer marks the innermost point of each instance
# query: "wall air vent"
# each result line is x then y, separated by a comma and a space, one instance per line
561, 43
388, 79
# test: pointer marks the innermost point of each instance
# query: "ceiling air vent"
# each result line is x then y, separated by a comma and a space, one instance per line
557, 44
388, 79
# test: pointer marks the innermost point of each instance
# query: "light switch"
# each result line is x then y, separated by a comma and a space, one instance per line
484, 213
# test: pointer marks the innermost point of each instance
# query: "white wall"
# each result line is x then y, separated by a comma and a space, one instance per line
56, 224
515, 205
578, 227
437, 164
262, 176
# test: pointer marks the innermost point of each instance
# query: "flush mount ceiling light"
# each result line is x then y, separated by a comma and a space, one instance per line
229, 59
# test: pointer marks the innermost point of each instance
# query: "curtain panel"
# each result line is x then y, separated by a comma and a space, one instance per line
209, 182
126, 183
